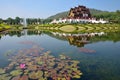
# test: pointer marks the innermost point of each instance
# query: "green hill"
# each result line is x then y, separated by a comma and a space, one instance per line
97, 12
59, 15
64, 14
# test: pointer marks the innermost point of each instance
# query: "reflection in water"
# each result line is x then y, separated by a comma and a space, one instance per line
35, 64
20, 33
78, 40
24, 32
28, 42
94, 67
85, 50
0, 36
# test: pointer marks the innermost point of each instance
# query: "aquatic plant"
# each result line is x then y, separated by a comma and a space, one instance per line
22, 66
76, 76
32, 67
24, 77
2, 71
40, 63
34, 75
43, 66
39, 73
43, 78
16, 72
16, 78
4, 77
62, 56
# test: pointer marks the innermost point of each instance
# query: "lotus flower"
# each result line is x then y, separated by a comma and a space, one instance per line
22, 66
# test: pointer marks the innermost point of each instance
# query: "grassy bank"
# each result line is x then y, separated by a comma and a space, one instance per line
4, 27
77, 28
67, 28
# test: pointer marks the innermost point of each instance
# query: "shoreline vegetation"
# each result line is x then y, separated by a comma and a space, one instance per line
4, 27
67, 28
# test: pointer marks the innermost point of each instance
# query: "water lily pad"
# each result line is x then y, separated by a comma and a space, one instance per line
2, 71
39, 73
16, 78
62, 57
16, 72
4, 77
34, 75
40, 62
76, 76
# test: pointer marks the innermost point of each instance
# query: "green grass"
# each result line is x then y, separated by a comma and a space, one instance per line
80, 28
72, 28
4, 27
68, 28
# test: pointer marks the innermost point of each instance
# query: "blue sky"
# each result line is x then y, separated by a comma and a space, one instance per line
46, 8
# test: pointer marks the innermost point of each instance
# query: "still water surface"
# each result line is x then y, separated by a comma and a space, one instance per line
99, 56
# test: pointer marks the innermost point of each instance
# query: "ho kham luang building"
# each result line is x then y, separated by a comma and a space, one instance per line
79, 14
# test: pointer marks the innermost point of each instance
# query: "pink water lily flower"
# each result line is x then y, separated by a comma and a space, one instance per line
22, 66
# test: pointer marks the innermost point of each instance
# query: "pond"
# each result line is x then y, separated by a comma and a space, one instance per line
77, 56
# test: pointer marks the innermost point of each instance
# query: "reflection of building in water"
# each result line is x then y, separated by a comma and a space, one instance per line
78, 41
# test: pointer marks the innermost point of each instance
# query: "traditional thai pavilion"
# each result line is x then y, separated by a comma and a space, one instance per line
80, 12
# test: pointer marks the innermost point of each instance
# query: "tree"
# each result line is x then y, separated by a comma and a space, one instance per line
47, 21
39, 21
10, 21
118, 12
1, 21
17, 20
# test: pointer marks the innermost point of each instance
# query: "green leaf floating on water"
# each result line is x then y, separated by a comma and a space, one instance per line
76, 76
15, 72
36, 75
4, 77
62, 56
75, 69
40, 63
43, 79
2, 71
39, 73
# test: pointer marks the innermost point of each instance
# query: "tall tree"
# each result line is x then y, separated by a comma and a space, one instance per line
1, 21
10, 21
17, 20
39, 21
